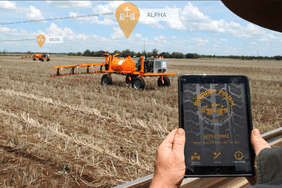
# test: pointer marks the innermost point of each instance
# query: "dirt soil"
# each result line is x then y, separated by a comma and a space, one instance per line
73, 132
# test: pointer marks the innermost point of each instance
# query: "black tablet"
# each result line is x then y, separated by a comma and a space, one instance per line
215, 112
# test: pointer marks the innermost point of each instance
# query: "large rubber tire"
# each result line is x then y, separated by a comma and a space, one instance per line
34, 59
48, 59
165, 83
106, 79
138, 83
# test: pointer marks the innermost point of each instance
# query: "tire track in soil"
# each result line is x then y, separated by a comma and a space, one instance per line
49, 168
137, 123
76, 140
112, 143
120, 163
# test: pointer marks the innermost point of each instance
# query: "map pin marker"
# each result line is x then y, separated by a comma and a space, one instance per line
40, 40
127, 15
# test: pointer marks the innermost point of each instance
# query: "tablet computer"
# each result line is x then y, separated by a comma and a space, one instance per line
215, 112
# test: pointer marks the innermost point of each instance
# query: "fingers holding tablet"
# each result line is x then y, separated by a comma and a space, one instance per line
258, 142
170, 166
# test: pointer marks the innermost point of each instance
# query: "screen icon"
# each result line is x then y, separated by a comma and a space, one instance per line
238, 155
216, 155
195, 157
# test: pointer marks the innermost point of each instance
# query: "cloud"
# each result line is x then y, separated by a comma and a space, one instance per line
118, 33
70, 4
54, 30
193, 20
192, 14
138, 35
110, 7
173, 37
106, 21
6, 29
162, 37
7, 5
99, 38
32, 13
161, 40
223, 39
82, 36
199, 40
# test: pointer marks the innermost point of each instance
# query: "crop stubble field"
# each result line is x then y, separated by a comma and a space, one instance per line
73, 132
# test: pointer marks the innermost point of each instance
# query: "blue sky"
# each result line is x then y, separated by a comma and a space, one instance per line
203, 27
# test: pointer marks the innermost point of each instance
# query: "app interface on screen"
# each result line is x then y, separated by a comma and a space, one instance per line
215, 122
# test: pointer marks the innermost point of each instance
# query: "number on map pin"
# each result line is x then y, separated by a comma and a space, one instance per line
127, 15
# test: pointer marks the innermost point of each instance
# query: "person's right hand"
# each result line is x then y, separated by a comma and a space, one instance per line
258, 144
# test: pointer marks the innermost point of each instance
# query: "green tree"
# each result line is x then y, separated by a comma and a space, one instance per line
155, 52
86, 53
100, 53
125, 53
192, 56
138, 54
116, 52
165, 54
78, 53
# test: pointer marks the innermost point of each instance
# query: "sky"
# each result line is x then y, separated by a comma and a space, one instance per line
203, 27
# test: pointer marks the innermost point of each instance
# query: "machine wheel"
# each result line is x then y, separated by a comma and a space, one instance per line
106, 79
48, 59
166, 81
34, 59
138, 83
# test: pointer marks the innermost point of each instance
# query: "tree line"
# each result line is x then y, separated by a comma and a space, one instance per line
154, 53
178, 55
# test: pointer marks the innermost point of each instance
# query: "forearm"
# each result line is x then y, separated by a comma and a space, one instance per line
269, 166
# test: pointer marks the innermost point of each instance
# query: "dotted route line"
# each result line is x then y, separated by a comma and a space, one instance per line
59, 18
16, 40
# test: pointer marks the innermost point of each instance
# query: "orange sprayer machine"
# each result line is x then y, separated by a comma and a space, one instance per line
41, 57
134, 72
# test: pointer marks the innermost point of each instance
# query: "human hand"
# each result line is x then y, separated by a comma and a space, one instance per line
170, 161
258, 144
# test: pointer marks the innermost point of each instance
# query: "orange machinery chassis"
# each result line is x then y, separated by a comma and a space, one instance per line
108, 61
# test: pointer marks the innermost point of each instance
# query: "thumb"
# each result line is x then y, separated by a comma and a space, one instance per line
179, 141
258, 142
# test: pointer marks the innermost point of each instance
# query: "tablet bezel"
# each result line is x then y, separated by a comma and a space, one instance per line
218, 171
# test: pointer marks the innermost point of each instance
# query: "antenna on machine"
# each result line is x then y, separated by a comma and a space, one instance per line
144, 49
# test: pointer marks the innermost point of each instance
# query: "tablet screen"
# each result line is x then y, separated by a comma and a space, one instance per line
216, 126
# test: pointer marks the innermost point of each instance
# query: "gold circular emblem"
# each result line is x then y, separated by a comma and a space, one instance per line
214, 108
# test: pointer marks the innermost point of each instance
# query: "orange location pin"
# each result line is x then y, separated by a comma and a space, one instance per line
40, 40
127, 15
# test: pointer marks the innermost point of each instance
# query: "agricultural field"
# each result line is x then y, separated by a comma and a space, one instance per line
73, 132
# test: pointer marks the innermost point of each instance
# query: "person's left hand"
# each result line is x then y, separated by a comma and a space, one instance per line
170, 161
